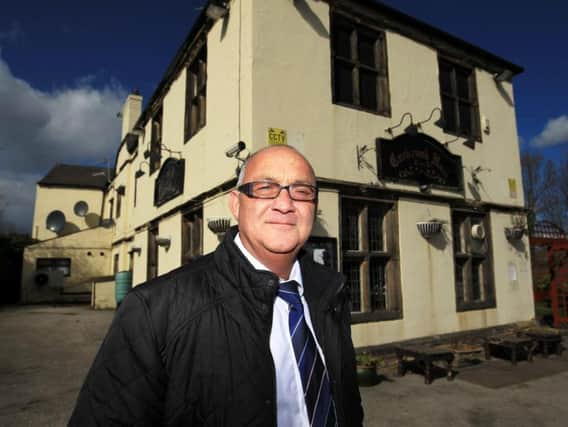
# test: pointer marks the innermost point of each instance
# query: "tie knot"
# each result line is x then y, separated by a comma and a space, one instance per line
288, 291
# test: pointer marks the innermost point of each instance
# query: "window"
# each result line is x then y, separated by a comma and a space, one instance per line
192, 236
459, 100
118, 204
63, 264
472, 261
359, 62
156, 142
370, 259
152, 266
195, 94
111, 208
115, 264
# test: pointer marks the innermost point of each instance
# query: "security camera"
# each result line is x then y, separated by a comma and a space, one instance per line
234, 150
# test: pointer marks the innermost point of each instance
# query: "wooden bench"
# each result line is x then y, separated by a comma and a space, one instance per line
510, 344
424, 357
546, 342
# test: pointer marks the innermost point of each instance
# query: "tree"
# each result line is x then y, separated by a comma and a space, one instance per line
546, 189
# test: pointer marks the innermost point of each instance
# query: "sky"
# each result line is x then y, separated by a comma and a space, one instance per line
67, 66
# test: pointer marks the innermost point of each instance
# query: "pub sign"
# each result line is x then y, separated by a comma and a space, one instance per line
169, 183
418, 159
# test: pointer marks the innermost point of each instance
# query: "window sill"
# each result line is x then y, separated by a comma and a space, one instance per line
375, 316
363, 109
472, 306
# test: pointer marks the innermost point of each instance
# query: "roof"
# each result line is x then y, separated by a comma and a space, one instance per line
76, 176
548, 230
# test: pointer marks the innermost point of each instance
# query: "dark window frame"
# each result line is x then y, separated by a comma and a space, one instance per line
192, 236
474, 278
111, 208
454, 103
63, 264
152, 264
156, 141
196, 94
358, 67
363, 253
118, 205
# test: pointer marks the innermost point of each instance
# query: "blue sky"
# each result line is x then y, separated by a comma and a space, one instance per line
66, 66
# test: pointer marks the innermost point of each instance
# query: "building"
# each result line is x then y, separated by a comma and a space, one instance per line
412, 135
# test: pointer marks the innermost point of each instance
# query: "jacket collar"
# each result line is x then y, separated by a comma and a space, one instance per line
321, 285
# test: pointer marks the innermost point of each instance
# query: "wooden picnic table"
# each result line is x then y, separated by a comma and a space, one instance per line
424, 357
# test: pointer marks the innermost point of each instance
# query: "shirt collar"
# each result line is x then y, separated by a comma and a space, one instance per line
295, 273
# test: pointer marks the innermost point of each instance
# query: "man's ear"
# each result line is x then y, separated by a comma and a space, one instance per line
234, 204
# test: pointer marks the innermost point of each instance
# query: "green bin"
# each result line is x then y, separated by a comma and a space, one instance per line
123, 283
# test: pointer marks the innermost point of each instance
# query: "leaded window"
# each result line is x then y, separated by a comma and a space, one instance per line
370, 261
472, 261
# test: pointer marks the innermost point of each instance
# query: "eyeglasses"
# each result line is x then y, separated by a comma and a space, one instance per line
271, 190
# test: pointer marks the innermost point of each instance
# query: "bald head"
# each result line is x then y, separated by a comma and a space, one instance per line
277, 148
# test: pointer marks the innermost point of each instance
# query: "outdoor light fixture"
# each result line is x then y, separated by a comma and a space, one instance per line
164, 241
440, 122
217, 9
451, 141
135, 249
140, 172
503, 76
409, 129
219, 226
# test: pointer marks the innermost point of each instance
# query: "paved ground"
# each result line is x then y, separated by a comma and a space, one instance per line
45, 353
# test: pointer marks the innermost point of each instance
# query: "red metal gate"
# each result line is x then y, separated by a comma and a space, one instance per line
558, 261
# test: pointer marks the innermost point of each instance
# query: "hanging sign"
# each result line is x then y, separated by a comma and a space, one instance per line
418, 159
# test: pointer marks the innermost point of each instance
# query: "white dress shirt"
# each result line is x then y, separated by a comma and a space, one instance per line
290, 403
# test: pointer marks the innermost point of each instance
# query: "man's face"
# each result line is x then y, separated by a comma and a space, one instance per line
273, 227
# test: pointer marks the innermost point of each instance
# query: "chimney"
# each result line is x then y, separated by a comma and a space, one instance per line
131, 112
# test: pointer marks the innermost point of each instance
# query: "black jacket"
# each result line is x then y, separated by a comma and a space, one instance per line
191, 348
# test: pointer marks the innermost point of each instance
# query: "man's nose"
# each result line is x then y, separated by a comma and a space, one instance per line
284, 202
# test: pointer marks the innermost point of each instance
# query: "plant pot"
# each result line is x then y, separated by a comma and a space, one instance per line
367, 375
428, 229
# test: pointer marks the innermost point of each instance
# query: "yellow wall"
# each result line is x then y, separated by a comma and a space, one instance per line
90, 255
293, 96
49, 199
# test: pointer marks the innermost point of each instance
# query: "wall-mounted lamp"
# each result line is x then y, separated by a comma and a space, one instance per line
217, 9
475, 172
424, 188
503, 76
468, 142
164, 241
408, 129
140, 172
219, 226
135, 249
121, 189
440, 122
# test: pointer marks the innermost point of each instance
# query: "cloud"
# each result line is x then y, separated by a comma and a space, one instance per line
555, 132
76, 124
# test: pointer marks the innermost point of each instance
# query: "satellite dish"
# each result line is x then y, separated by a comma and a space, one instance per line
81, 208
55, 221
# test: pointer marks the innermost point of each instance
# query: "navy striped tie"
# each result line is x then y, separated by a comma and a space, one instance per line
315, 380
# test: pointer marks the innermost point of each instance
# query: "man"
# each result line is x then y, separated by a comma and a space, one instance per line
254, 334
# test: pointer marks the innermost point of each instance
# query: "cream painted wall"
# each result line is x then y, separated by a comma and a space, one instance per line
327, 218
427, 277
170, 258
139, 273
48, 199
292, 91
90, 255
515, 298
